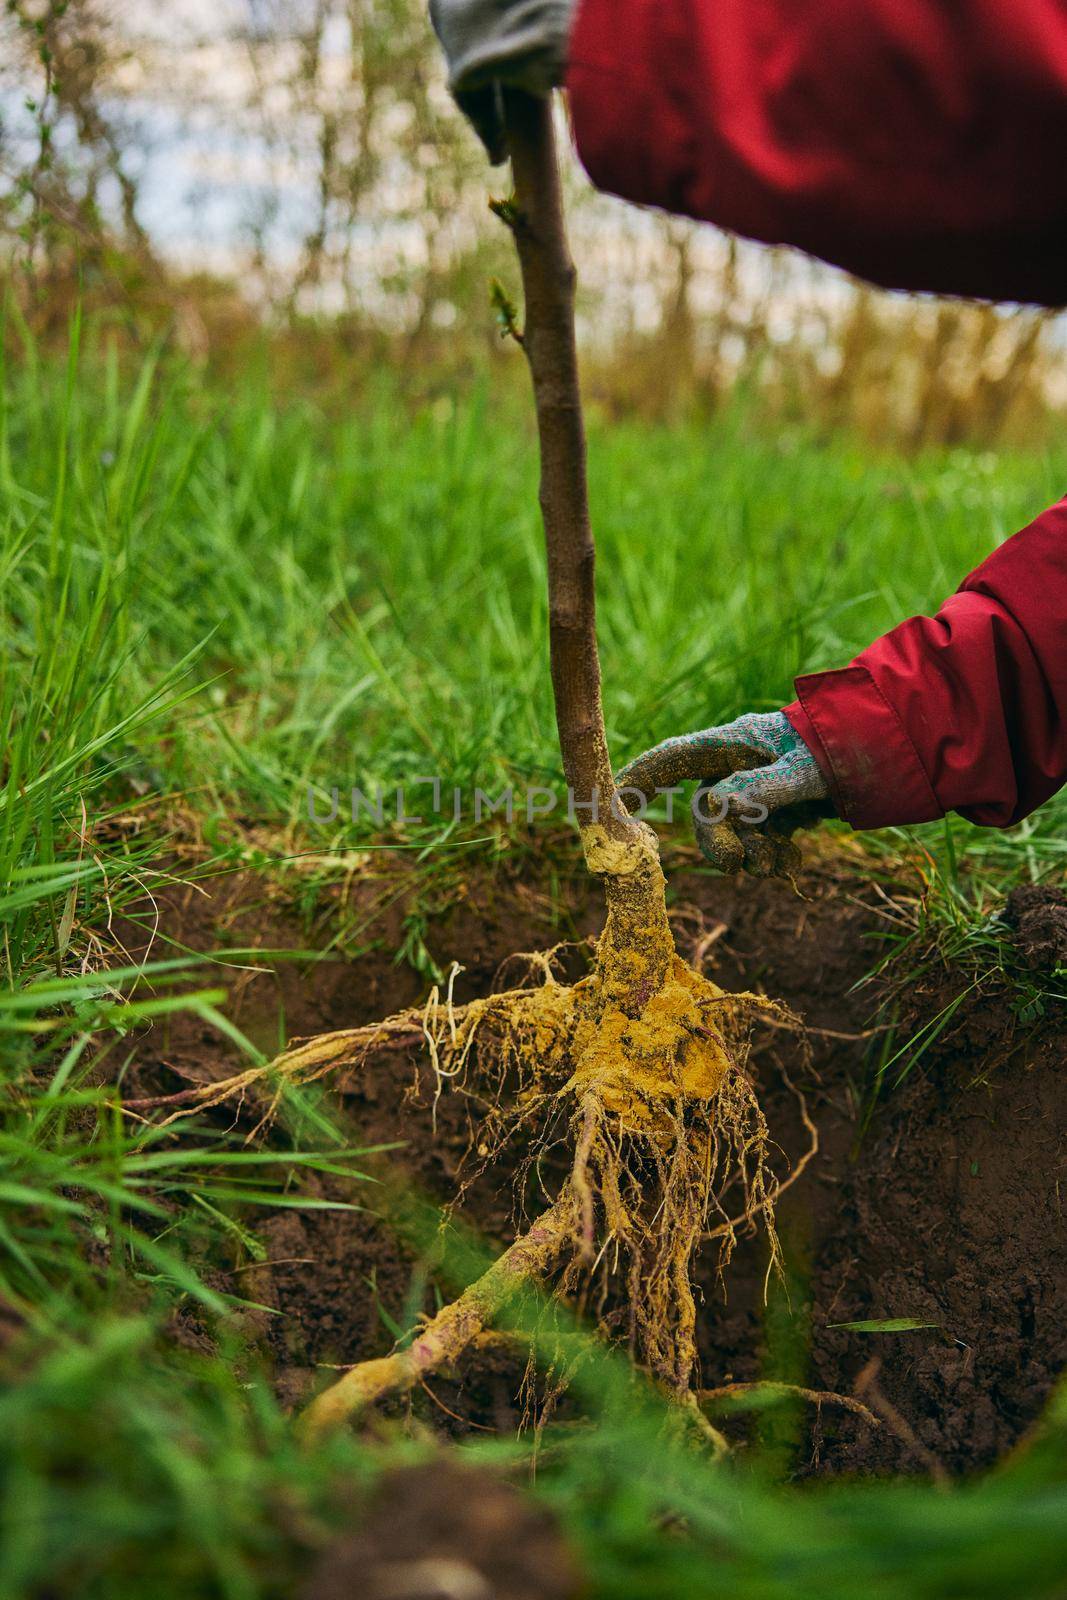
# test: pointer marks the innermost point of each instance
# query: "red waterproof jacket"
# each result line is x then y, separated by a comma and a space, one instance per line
923, 145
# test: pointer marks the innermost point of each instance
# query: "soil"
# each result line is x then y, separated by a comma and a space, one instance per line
446, 1532
1037, 915
936, 1200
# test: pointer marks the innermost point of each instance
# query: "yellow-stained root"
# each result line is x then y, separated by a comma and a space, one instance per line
663, 1113
636, 947
645, 1059
449, 1031
445, 1337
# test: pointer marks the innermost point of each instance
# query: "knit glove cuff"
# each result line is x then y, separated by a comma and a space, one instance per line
490, 43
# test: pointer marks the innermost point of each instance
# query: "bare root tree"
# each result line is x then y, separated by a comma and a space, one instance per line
642, 1060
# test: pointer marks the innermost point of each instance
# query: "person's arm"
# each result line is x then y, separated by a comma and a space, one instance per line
916, 143
965, 711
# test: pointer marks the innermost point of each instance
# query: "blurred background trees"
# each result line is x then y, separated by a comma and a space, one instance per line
228, 170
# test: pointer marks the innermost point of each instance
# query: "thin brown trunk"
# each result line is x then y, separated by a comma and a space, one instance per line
617, 847
548, 280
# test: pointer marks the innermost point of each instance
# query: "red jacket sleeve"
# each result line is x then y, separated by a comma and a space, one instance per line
965, 711
919, 143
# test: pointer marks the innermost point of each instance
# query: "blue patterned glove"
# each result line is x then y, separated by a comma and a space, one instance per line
487, 43
759, 782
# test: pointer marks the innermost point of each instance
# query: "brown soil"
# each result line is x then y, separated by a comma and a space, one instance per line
442, 1531
1037, 916
942, 1204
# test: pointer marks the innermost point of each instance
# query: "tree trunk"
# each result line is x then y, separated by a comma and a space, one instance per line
616, 846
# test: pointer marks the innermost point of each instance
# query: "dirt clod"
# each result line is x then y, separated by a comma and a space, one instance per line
1038, 916
444, 1532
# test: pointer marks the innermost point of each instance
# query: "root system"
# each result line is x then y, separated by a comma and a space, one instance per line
639, 1068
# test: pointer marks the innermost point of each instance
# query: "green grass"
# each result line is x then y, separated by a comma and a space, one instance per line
210, 595
360, 599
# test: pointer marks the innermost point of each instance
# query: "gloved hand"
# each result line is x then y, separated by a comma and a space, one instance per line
759, 783
489, 43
